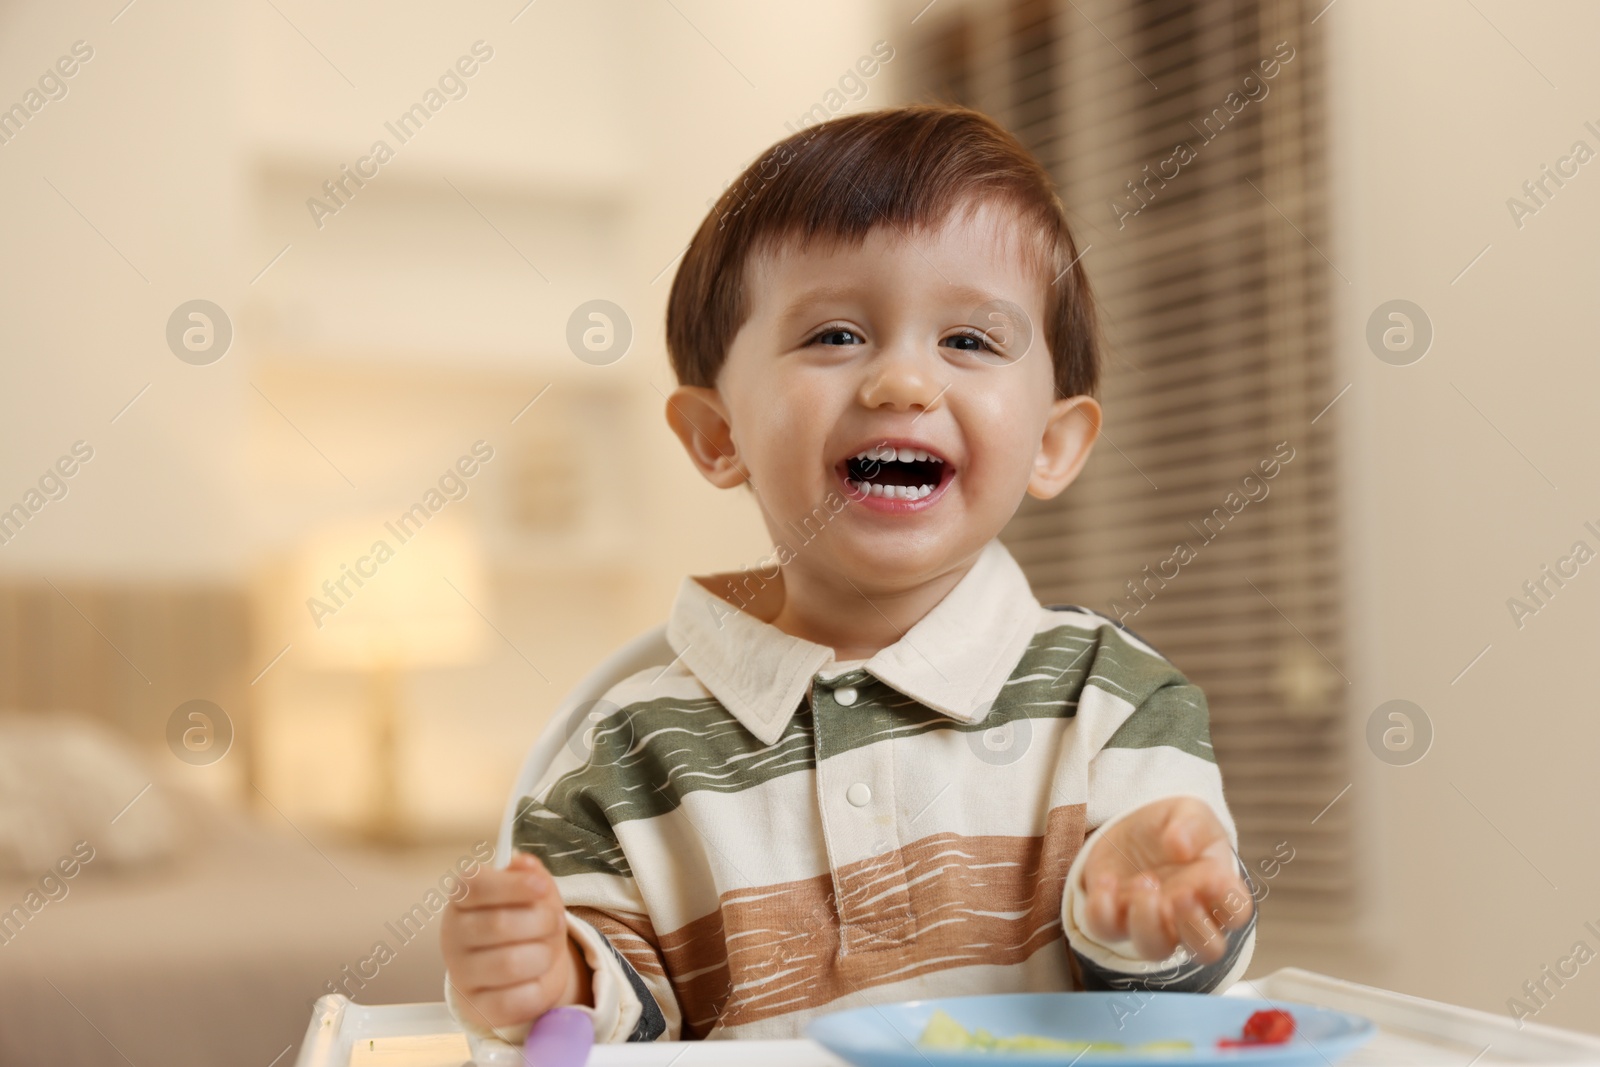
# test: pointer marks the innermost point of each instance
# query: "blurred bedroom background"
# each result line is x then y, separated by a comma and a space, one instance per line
243, 345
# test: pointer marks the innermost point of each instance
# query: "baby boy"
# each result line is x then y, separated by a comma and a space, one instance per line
877, 769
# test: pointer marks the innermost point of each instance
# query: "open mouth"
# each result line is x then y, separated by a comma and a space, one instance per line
895, 473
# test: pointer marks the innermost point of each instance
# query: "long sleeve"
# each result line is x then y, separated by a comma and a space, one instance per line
568, 833
1149, 742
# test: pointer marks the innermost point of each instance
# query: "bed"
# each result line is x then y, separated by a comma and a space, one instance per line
197, 934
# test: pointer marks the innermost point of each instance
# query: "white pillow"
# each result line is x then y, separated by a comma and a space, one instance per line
63, 778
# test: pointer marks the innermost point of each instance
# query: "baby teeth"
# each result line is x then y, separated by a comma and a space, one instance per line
893, 492
885, 454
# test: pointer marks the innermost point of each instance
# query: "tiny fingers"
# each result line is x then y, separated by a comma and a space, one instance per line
501, 888
1105, 912
1148, 928
511, 1005
488, 927
1228, 900
1200, 933
1178, 841
511, 965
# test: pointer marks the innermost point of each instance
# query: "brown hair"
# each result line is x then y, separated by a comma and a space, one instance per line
910, 167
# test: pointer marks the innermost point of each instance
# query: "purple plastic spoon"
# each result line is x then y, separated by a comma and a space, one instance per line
561, 1037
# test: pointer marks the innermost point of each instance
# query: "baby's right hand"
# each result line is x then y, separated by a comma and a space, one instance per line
506, 947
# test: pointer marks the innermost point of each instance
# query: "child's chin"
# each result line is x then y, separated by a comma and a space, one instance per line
896, 559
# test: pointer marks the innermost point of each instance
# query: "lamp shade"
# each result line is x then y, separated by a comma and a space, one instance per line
368, 595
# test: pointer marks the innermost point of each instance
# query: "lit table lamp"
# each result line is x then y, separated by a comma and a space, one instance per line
383, 599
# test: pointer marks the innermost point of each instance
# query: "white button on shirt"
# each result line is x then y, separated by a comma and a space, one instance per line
859, 794
845, 694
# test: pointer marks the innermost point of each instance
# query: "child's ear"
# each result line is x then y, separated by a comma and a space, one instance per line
700, 419
1069, 433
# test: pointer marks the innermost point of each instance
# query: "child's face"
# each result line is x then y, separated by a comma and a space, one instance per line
846, 349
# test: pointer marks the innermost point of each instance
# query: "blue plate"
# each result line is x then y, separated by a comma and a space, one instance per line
886, 1035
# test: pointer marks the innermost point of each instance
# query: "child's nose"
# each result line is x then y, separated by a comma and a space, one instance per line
902, 379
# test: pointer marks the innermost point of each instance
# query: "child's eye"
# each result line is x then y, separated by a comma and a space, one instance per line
837, 337
975, 341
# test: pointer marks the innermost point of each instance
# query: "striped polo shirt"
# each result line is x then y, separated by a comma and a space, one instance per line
758, 833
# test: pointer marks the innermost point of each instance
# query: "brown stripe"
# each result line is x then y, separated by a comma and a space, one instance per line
631, 935
777, 949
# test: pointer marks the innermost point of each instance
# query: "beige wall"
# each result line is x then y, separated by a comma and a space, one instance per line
1437, 121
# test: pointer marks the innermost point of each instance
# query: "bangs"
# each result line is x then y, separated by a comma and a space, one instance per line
844, 226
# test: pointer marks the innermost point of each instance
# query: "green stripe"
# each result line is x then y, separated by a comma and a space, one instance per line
1174, 716
563, 847
1167, 709
648, 756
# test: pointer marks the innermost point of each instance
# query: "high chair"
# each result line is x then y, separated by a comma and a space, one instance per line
649, 649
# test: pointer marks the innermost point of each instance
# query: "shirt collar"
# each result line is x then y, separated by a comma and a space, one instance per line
954, 659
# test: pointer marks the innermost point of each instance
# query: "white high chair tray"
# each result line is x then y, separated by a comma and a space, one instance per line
1412, 1032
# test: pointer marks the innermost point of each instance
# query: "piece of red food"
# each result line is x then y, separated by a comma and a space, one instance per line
1263, 1028
1270, 1026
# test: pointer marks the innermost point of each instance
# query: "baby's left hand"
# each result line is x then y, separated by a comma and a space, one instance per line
1162, 876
